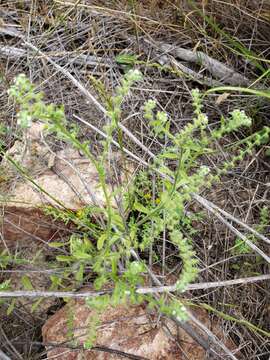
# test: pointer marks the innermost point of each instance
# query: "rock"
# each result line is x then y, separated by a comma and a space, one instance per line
28, 226
130, 329
67, 179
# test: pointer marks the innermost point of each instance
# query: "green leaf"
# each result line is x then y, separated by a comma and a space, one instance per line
118, 221
64, 258
36, 304
114, 261
26, 282
169, 155
82, 255
113, 239
5, 285
126, 59
139, 207
259, 93
79, 273
56, 244
11, 306
87, 244
101, 241
56, 281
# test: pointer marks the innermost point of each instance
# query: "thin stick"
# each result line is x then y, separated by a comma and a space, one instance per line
231, 217
81, 59
207, 285
211, 335
3, 356
140, 290
135, 157
215, 211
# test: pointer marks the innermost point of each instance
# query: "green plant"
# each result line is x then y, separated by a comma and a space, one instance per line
240, 246
107, 247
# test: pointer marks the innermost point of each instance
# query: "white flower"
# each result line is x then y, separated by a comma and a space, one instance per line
24, 120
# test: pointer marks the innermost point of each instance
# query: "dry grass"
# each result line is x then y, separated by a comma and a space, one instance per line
105, 29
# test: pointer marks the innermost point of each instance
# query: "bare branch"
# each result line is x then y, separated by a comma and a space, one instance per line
81, 59
3, 356
141, 290
215, 67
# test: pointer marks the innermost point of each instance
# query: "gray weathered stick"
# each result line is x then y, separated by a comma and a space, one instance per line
140, 290
81, 59
215, 67
3, 356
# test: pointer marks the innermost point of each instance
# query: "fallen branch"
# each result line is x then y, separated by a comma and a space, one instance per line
200, 78
67, 345
234, 219
140, 290
216, 211
3, 356
81, 59
222, 72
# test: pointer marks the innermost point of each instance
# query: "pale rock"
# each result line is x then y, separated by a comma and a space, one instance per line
67, 179
130, 329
